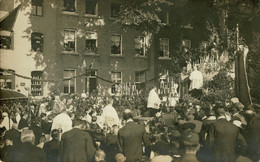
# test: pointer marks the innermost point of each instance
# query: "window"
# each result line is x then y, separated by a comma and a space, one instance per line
70, 40
69, 85
36, 83
186, 43
115, 8
91, 7
140, 46
164, 17
5, 42
139, 76
7, 80
37, 7
164, 47
37, 42
91, 42
116, 44
69, 5
116, 77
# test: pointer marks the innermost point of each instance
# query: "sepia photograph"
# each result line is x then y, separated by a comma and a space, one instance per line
129, 80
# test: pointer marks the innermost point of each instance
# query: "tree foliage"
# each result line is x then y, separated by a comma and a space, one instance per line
142, 15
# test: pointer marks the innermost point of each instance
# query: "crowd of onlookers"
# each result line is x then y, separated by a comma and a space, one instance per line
81, 128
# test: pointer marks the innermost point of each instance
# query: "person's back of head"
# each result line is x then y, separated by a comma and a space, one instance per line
55, 134
100, 155
77, 122
127, 114
219, 109
120, 157
27, 136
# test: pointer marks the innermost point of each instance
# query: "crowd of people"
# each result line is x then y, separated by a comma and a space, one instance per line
81, 128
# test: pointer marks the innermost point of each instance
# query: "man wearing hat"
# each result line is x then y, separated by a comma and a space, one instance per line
191, 144
253, 135
224, 137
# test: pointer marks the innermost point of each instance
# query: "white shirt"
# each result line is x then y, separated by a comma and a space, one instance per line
62, 121
196, 78
110, 116
153, 100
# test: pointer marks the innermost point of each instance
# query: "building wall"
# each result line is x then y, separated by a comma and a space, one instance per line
55, 60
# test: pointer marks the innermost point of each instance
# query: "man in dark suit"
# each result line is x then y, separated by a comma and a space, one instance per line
26, 151
253, 135
51, 148
76, 144
224, 137
131, 137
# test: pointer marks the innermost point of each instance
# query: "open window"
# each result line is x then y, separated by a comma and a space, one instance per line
37, 42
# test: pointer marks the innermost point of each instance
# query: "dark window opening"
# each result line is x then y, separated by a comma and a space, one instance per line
91, 7
115, 8
5, 42
37, 42
69, 6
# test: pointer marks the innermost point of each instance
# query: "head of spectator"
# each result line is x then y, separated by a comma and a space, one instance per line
115, 129
127, 114
219, 109
4, 114
55, 134
110, 101
100, 156
120, 157
77, 123
191, 142
27, 136
161, 148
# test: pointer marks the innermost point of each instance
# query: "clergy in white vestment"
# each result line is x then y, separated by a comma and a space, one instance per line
153, 103
110, 115
6, 122
196, 78
62, 121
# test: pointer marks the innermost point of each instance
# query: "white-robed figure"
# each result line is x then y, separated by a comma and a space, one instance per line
7, 122
153, 103
196, 78
62, 121
110, 115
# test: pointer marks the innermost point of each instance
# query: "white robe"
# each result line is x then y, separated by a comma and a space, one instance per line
196, 78
153, 100
110, 116
62, 121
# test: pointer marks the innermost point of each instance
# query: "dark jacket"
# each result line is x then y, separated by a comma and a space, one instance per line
253, 138
23, 123
76, 145
224, 138
130, 139
51, 149
26, 152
